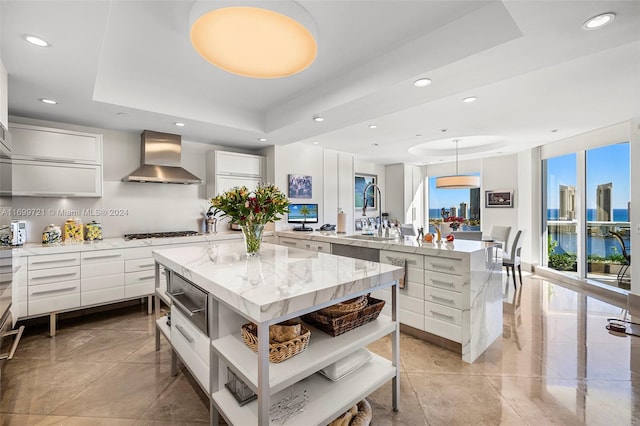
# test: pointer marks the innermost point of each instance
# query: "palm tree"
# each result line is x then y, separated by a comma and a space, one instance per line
304, 211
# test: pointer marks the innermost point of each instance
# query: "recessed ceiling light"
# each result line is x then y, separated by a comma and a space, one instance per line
470, 99
36, 41
373, 126
599, 21
48, 101
554, 130
443, 130
374, 144
262, 139
121, 113
315, 142
418, 135
422, 82
318, 118
179, 124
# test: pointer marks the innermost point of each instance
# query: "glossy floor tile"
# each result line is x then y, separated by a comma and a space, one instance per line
556, 364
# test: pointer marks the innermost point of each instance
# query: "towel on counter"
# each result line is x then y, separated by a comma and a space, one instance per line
398, 261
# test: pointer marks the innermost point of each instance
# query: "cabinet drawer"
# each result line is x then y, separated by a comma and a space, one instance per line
101, 269
188, 339
411, 304
316, 246
53, 297
88, 298
443, 264
413, 260
139, 290
141, 252
443, 313
445, 281
103, 282
102, 256
289, 242
53, 261
413, 289
142, 277
412, 319
136, 265
444, 329
443, 297
52, 275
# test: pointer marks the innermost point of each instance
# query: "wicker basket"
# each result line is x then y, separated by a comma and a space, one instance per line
278, 352
336, 326
345, 307
358, 415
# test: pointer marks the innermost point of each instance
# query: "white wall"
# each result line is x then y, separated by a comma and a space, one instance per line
137, 207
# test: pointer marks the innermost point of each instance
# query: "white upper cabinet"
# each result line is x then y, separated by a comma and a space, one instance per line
238, 164
226, 170
47, 144
4, 98
55, 163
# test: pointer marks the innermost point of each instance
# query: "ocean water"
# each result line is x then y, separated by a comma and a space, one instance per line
619, 215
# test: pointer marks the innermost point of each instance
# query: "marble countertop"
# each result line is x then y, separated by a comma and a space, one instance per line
281, 281
407, 245
32, 249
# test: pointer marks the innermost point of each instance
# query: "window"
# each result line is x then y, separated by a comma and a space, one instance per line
463, 203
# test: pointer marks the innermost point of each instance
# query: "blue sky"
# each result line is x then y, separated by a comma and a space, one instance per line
607, 164
446, 198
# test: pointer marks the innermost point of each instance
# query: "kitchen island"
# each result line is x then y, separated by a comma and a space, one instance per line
451, 295
280, 284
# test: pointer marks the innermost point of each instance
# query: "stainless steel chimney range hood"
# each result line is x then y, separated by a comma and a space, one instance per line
160, 160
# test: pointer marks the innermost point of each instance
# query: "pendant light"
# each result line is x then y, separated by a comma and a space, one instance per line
457, 181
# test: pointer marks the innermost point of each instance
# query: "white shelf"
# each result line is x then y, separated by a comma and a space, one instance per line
327, 399
161, 324
322, 351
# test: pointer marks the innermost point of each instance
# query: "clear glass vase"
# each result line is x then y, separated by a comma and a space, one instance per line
252, 234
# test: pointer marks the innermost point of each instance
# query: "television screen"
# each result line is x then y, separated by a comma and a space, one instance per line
295, 216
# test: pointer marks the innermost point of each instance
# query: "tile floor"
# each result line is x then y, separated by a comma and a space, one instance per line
555, 364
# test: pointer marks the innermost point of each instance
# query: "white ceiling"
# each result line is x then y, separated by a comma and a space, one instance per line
530, 63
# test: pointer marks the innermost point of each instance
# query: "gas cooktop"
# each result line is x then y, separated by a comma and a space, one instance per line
159, 235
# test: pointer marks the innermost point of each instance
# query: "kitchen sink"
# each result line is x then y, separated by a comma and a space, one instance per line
370, 238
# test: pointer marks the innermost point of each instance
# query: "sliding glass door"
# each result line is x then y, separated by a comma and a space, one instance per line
588, 212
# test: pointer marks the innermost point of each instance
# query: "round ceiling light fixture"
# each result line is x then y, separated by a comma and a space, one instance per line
373, 126
258, 39
262, 139
422, 82
469, 99
48, 101
457, 181
179, 124
318, 119
36, 41
599, 21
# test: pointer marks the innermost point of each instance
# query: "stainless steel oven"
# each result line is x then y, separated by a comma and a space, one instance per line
190, 299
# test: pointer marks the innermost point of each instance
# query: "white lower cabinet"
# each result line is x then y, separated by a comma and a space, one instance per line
102, 276
411, 300
191, 345
444, 280
58, 296
53, 283
318, 246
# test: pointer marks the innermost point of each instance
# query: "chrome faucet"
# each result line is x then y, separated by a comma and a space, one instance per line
364, 204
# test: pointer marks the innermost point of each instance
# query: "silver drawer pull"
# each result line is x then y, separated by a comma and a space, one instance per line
68, 274
177, 293
104, 256
448, 284
39, 262
57, 290
147, 265
444, 299
149, 277
435, 313
442, 266
181, 305
184, 333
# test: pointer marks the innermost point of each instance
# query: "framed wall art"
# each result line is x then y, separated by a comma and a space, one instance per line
361, 180
498, 198
299, 186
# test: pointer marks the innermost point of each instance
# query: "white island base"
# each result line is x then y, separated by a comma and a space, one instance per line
284, 283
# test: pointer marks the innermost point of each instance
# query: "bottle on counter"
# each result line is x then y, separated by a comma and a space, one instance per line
73, 230
93, 231
52, 234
